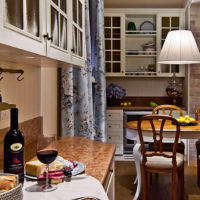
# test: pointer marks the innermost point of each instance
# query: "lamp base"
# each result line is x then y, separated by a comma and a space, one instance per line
174, 101
174, 89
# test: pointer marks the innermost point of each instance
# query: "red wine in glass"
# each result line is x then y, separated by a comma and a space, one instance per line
47, 156
46, 153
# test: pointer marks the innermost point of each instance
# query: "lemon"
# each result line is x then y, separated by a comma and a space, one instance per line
121, 104
129, 103
187, 117
187, 121
125, 104
181, 120
192, 120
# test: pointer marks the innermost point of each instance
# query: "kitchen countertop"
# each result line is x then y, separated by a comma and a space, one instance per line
129, 108
96, 156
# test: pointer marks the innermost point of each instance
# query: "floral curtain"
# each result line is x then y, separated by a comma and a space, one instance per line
83, 108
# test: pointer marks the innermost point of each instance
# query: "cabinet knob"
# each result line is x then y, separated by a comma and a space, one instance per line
109, 126
109, 115
48, 37
109, 137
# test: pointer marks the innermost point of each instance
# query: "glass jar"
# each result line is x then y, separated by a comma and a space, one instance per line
174, 89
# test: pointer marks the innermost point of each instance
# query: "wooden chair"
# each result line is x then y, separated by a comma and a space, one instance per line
159, 161
198, 149
172, 109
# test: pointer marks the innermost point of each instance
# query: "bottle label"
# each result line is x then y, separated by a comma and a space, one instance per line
15, 161
16, 146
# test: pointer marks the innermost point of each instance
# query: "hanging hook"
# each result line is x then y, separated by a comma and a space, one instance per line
0, 74
21, 73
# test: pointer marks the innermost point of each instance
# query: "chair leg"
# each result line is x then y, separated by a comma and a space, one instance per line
145, 185
182, 183
174, 193
150, 177
198, 172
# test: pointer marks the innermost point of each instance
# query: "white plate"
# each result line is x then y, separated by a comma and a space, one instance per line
77, 170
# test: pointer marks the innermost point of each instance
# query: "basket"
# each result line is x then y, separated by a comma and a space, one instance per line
13, 194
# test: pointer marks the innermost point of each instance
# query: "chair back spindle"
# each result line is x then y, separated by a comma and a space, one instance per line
157, 135
165, 107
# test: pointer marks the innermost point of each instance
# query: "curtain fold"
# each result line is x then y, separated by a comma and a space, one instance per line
100, 94
79, 117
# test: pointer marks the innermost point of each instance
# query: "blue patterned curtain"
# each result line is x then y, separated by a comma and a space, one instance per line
83, 114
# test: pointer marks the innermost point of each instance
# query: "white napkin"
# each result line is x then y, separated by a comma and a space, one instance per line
80, 186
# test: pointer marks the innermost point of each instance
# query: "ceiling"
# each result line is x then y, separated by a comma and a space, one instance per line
144, 3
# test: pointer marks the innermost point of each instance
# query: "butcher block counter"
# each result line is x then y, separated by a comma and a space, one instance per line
96, 156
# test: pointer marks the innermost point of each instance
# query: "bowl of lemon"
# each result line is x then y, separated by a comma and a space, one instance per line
186, 121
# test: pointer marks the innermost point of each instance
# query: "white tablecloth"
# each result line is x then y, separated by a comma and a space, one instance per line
79, 186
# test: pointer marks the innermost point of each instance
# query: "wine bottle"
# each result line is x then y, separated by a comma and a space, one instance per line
14, 148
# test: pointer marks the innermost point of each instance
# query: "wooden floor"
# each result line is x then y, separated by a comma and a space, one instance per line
161, 187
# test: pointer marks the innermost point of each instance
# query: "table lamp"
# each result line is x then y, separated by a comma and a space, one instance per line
179, 48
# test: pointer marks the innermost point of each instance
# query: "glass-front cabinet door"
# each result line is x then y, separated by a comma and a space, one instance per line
65, 32
169, 22
113, 45
77, 28
25, 18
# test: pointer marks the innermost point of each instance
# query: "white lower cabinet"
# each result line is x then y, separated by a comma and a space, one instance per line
115, 129
109, 184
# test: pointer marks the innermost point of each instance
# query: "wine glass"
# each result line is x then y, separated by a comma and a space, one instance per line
47, 153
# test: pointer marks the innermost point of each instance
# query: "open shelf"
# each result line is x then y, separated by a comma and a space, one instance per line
141, 33
144, 74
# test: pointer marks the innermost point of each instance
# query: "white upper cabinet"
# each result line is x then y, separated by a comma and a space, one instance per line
21, 25
65, 30
133, 46
46, 28
168, 22
114, 37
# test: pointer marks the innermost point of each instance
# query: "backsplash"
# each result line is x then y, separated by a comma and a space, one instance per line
31, 129
137, 86
135, 101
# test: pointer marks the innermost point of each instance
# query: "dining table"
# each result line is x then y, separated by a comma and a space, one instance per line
187, 131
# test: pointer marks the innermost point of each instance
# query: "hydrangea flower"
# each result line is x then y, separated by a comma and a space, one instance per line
115, 91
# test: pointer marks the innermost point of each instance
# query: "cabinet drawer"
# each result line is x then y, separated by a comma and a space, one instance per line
114, 125
115, 139
115, 115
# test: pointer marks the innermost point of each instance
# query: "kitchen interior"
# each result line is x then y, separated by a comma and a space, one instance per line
134, 34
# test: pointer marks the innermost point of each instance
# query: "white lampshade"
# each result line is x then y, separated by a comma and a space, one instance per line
179, 48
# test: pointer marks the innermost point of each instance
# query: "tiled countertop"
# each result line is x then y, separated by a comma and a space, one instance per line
96, 156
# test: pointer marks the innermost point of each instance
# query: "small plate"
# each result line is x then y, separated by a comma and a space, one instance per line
77, 170
147, 26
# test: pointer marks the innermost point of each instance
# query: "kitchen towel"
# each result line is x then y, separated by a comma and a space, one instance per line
79, 186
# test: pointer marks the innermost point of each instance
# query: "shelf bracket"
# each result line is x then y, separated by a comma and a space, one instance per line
12, 71
6, 106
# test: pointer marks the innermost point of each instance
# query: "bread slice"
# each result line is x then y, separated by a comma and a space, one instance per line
7, 182
34, 168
